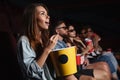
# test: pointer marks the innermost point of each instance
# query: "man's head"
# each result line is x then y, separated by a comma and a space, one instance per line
61, 28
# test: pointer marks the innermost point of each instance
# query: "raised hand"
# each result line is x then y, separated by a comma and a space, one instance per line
52, 42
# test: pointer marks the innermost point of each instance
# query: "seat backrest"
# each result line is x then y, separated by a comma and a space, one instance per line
10, 67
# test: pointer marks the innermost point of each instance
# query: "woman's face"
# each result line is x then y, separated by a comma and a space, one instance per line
71, 31
83, 33
89, 32
42, 17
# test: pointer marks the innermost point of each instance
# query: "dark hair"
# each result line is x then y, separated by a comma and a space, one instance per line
55, 25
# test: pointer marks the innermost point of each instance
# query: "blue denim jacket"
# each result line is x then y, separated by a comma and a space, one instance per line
26, 58
60, 44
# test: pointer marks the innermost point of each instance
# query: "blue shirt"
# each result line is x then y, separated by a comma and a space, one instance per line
60, 44
26, 58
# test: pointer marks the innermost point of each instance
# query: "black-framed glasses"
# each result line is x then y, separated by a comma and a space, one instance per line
72, 30
64, 27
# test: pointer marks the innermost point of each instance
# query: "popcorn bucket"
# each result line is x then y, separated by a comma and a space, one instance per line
64, 61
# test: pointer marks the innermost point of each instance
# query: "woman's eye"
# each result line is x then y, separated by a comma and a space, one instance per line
43, 13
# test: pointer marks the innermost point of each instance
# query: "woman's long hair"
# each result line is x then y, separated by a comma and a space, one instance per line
31, 28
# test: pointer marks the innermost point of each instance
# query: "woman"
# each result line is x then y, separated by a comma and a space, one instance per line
33, 49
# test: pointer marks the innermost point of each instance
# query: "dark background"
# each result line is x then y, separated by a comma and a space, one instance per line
102, 15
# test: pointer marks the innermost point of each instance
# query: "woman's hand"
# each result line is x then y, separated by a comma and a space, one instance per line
80, 41
86, 62
52, 42
87, 49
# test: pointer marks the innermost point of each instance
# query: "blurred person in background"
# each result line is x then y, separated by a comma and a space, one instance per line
98, 54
